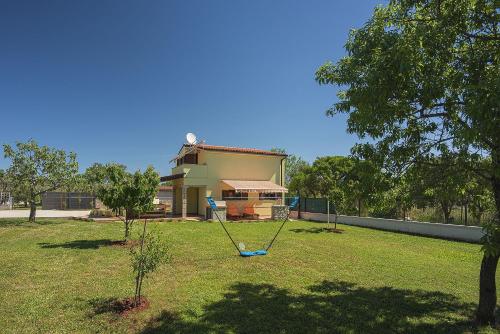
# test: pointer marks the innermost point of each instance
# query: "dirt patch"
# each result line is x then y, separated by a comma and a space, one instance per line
127, 306
334, 230
124, 243
122, 307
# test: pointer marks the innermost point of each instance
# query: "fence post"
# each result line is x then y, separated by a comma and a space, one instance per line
328, 212
465, 213
299, 208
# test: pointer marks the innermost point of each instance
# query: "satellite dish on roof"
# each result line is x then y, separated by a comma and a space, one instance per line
191, 138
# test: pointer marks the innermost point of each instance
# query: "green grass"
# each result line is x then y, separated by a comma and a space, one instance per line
58, 276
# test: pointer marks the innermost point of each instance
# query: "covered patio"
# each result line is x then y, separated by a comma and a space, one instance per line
251, 199
244, 199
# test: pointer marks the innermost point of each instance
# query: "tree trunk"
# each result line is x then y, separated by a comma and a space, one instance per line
478, 213
299, 209
359, 207
485, 314
465, 213
127, 229
487, 291
32, 212
140, 274
129, 220
136, 295
446, 212
140, 288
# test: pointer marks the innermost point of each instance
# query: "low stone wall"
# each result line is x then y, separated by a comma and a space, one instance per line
221, 212
279, 212
445, 231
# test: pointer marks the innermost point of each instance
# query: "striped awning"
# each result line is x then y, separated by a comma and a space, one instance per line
254, 186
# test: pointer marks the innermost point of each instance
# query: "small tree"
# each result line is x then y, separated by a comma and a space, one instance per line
120, 190
36, 170
146, 258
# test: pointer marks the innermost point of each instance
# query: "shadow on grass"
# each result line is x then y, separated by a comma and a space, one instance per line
330, 307
103, 305
316, 230
81, 244
23, 222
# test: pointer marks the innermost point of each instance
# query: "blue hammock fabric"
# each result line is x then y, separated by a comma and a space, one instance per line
254, 253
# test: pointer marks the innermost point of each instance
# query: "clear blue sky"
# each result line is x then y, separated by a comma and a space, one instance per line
124, 81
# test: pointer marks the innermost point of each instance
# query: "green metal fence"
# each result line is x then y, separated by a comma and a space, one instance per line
314, 205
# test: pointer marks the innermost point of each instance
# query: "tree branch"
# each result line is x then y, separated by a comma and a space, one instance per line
483, 37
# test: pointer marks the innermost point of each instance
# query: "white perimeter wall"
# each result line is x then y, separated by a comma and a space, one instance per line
446, 231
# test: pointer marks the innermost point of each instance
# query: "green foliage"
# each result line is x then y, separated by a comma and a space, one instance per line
93, 176
154, 253
120, 190
3, 180
293, 165
146, 258
440, 181
35, 170
491, 238
397, 199
90, 180
303, 182
347, 182
479, 197
421, 78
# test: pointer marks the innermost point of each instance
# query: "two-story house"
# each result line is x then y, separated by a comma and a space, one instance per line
242, 177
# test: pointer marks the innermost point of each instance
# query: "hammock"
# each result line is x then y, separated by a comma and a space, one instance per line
242, 252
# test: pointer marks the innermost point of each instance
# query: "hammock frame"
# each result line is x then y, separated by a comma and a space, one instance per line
213, 205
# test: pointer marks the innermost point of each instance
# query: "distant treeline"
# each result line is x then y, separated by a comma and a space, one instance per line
438, 189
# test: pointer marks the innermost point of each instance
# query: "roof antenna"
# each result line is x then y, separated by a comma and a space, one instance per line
192, 143
191, 138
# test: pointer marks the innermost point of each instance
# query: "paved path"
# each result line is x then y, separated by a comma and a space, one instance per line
44, 213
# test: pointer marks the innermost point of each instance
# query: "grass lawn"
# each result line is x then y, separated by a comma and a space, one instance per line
58, 276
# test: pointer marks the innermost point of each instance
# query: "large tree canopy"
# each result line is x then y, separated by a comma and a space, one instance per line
422, 77
38, 169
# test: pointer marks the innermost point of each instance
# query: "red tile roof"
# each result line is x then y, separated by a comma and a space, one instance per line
238, 150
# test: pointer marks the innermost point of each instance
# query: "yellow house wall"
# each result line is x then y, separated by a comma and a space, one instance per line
192, 200
236, 166
202, 200
214, 166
